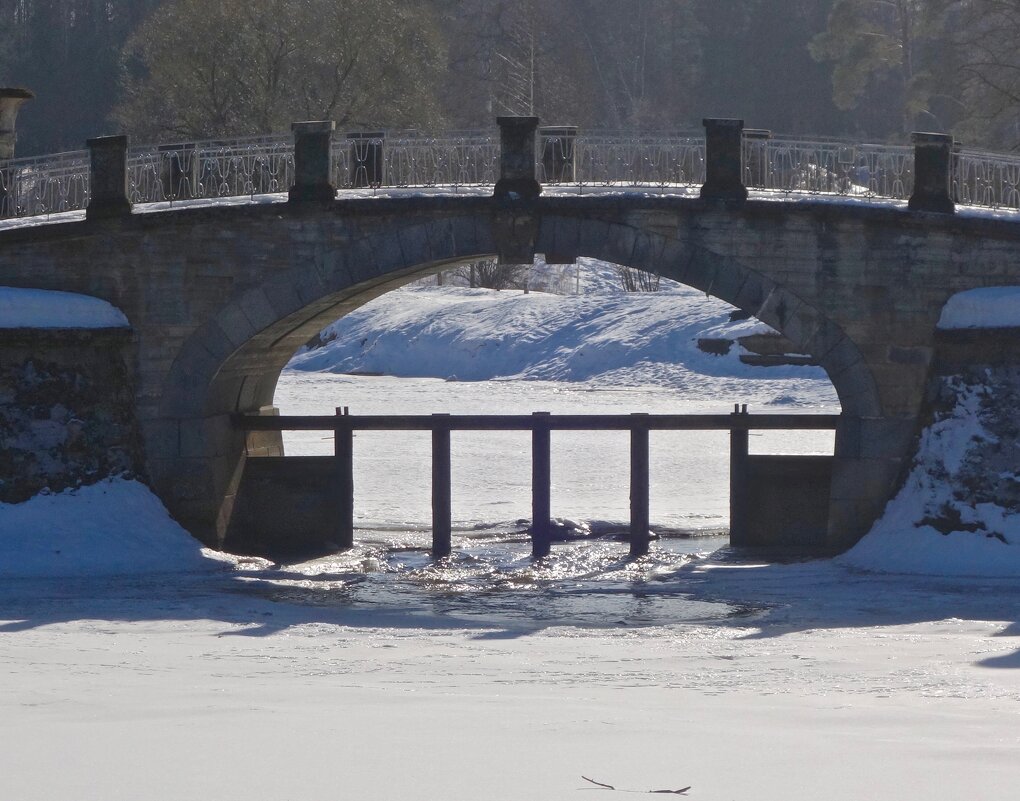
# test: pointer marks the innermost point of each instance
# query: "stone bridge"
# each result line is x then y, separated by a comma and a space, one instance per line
220, 296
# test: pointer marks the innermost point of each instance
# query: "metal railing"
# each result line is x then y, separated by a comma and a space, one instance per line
587, 161
44, 185
829, 167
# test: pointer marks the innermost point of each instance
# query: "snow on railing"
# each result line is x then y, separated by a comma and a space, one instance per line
264, 165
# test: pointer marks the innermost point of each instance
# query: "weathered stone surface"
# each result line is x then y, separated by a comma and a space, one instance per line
67, 411
220, 298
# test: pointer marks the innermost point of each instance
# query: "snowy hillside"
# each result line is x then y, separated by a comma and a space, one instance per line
604, 336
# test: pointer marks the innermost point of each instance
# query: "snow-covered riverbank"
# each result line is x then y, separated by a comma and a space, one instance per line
376, 675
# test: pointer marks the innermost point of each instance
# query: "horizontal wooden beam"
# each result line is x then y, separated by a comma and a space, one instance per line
561, 422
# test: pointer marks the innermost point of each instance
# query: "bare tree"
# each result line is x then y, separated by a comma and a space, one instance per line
200, 69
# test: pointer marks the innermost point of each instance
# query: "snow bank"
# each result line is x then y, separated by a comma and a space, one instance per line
989, 307
953, 516
111, 528
40, 308
614, 339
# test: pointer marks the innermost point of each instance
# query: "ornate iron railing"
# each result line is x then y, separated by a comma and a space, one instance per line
828, 167
628, 160
44, 185
195, 170
586, 161
411, 159
987, 179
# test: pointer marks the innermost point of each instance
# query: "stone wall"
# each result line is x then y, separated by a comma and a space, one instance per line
67, 410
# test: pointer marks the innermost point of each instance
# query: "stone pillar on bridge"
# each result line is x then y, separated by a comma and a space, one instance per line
11, 101
517, 158
724, 142
107, 178
933, 160
313, 162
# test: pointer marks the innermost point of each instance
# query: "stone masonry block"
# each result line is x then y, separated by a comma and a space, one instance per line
389, 255
416, 247
360, 262
647, 252
282, 295
466, 239
258, 309
702, 269
441, 244
592, 238
559, 238
752, 293
857, 390
235, 324
161, 435
842, 357
619, 245
862, 479
674, 260
728, 281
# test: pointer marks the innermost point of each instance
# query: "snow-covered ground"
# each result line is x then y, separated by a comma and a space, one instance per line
42, 308
162, 672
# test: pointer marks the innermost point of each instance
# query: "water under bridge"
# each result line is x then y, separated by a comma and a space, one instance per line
228, 256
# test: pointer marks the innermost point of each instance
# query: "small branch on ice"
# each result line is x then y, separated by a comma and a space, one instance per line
682, 791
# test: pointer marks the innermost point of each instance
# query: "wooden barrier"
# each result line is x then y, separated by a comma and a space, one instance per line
541, 425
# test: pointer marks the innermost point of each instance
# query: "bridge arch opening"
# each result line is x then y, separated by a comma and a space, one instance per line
231, 364
561, 353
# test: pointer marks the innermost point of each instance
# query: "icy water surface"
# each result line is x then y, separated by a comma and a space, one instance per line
590, 583
587, 581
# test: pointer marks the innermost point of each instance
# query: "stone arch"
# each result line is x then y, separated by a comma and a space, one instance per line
232, 362
723, 277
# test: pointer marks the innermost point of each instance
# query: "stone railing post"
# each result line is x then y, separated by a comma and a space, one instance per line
108, 195
313, 162
933, 159
517, 158
11, 100
723, 160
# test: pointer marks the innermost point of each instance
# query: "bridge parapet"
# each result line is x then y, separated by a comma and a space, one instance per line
565, 158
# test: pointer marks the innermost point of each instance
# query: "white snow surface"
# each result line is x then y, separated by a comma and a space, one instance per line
375, 675
900, 542
43, 308
987, 307
604, 336
111, 528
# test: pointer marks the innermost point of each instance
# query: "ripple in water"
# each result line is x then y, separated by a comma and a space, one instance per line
588, 582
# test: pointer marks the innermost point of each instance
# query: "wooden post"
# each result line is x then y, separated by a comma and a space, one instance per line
343, 453
738, 478
639, 479
442, 525
541, 483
